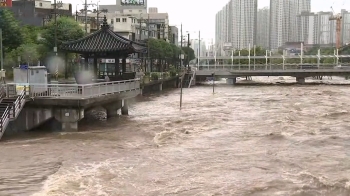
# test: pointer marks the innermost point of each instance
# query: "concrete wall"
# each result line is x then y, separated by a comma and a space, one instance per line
29, 118
159, 86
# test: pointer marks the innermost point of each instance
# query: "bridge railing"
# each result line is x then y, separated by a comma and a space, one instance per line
80, 90
287, 66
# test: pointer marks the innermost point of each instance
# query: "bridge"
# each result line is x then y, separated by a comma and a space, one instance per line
294, 70
273, 57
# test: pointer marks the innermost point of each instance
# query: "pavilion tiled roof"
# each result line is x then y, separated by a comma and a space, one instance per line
103, 40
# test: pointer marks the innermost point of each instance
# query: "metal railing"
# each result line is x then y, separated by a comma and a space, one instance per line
275, 66
18, 105
192, 78
81, 90
2, 90
319, 56
5, 119
12, 111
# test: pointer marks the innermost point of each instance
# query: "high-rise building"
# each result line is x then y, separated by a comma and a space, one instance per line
345, 27
284, 21
244, 23
308, 28
263, 26
326, 28
236, 26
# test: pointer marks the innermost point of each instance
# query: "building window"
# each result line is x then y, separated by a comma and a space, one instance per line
130, 10
124, 19
117, 20
41, 4
112, 21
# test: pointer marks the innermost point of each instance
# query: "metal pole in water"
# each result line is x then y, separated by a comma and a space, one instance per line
213, 76
181, 93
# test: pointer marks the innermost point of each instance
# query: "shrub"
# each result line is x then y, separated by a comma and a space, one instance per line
154, 76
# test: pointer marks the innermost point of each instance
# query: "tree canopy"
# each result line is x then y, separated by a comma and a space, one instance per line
11, 30
67, 30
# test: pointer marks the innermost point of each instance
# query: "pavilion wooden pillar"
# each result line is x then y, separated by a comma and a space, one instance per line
95, 66
66, 65
116, 68
124, 64
86, 62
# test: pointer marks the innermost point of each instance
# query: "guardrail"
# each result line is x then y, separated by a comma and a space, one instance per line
252, 67
81, 90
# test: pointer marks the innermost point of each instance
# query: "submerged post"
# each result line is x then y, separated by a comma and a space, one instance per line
181, 91
213, 76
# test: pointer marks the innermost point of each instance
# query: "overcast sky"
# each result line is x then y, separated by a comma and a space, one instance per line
198, 15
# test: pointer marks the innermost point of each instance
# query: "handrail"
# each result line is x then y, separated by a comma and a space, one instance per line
2, 90
5, 118
193, 76
19, 103
82, 85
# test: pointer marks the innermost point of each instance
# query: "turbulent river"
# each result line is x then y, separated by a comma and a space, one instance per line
243, 140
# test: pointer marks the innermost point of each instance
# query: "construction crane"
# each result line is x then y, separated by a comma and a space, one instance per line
338, 19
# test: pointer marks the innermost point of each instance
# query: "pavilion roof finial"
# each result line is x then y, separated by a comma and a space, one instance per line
105, 24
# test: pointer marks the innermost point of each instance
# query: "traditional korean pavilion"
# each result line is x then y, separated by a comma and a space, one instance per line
105, 44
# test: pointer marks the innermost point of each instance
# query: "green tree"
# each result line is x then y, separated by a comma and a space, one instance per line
31, 34
11, 30
67, 30
189, 54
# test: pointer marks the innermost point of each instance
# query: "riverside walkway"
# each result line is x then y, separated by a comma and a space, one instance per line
64, 102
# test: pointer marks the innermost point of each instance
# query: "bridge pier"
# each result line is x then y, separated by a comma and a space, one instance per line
125, 108
300, 80
69, 117
231, 81
112, 108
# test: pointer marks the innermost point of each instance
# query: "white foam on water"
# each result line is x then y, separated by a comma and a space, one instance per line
81, 180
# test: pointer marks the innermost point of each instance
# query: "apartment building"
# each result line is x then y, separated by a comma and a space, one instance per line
345, 36
236, 25
244, 23
284, 26
308, 30
326, 28
263, 27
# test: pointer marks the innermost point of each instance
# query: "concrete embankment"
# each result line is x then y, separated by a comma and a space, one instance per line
159, 85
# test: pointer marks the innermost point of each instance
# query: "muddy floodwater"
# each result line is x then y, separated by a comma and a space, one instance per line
243, 140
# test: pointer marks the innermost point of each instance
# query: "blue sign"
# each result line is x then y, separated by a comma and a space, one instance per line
23, 66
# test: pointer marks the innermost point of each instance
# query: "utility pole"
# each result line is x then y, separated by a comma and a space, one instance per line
2, 52
140, 27
148, 48
188, 46
85, 9
55, 12
199, 47
181, 49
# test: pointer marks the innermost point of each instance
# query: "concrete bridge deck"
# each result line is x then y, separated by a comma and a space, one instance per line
234, 71
66, 102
